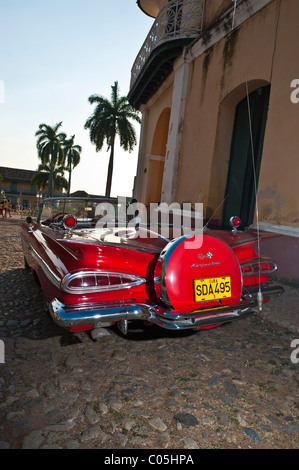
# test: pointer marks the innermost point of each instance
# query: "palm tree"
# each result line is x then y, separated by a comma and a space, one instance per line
50, 149
72, 155
109, 119
41, 179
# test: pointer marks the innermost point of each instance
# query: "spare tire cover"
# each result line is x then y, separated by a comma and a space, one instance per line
199, 271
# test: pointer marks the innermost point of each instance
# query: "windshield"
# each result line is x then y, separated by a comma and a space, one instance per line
86, 211
118, 212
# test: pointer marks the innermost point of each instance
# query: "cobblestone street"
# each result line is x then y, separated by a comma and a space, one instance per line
225, 388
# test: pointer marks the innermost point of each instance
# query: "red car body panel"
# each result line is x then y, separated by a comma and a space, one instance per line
163, 282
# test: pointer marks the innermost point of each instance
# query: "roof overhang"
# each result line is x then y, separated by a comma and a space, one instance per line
156, 70
151, 7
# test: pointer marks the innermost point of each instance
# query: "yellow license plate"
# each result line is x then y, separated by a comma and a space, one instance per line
212, 288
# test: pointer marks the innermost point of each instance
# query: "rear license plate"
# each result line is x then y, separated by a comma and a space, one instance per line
212, 288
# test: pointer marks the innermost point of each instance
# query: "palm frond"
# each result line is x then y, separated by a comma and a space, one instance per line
50, 148
109, 119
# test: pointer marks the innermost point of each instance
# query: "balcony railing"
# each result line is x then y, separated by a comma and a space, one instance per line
24, 192
179, 19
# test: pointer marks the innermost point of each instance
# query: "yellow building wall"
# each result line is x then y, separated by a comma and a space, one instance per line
214, 10
151, 172
278, 188
263, 50
24, 186
162, 102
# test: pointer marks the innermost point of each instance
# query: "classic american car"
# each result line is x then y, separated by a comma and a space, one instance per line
95, 273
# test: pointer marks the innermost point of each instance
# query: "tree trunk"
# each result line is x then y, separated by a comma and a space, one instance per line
70, 176
110, 170
50, 184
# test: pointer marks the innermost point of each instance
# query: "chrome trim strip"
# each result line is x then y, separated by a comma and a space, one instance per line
259, 261
72, 315
69, 316
43, 265
269, 290
170, 247
97, 314
208, 312
206, 320
164, 257
81, 290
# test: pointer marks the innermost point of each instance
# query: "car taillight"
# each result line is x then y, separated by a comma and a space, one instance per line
235, 222
256, 267
86, 281
69, 221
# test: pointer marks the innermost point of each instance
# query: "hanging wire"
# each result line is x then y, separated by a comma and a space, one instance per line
234, 13
259, 294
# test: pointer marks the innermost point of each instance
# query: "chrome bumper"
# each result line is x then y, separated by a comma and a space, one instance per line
101, 315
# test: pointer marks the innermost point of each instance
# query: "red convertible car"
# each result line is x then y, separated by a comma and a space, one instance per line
94, 273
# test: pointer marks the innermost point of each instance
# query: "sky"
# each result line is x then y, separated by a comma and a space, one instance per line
53, 56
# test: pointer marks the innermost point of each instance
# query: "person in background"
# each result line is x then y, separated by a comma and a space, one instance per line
5, 208
9, 208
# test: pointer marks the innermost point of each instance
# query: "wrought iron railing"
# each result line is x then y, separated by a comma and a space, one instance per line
178, 19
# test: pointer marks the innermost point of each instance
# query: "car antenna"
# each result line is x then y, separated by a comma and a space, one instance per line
206, 225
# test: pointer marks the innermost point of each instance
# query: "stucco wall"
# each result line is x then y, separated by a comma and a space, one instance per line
159, 103
263, 50
152, 112
278, 188
215, 9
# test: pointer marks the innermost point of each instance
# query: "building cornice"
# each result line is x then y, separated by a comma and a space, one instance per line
225, 24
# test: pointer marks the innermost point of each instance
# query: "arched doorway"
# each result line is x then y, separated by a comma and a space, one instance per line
155, 161
244, 165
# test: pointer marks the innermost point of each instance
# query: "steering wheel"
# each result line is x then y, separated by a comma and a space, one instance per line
59, 215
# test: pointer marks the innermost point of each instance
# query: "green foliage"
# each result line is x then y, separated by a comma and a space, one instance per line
54, 151
41, 179
72, 156
111, 119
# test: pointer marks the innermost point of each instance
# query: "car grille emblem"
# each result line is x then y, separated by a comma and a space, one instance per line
203, 256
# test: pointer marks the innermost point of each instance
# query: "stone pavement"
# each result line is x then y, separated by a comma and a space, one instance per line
230, 387
283, 312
